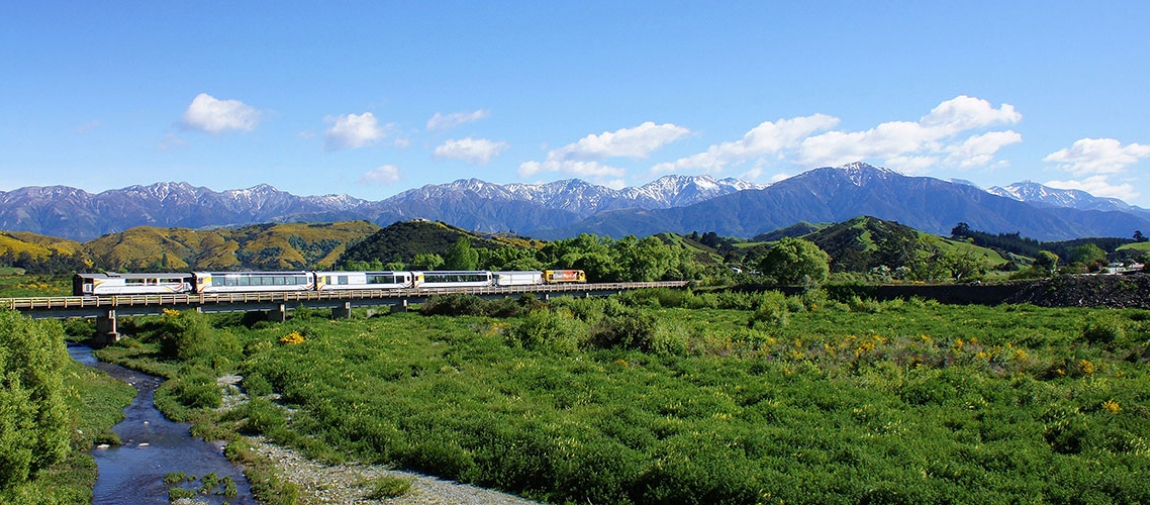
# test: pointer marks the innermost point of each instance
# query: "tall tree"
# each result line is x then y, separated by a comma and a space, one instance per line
794, 261
461, 256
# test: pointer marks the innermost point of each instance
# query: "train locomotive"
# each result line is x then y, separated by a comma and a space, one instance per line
112, 283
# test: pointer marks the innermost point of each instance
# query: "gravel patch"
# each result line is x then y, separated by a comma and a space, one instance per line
350, 483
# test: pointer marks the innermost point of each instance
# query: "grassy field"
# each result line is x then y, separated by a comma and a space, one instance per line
665, 397
14, 285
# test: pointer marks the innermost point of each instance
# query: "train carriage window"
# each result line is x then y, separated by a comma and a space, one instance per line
343, 280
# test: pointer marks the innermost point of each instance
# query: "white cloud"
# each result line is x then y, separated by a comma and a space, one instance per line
472, 151
964, 113
637, 142
1098, 156
766, 139
172, 141
946, 136
352, 131
208, 114
578, 159
979, 150
384, 175
1098, 185
887, 140
571, 167
448, 121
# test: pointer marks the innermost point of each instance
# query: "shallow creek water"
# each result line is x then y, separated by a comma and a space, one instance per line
152, 446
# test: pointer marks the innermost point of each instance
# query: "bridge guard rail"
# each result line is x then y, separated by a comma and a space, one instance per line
79, 306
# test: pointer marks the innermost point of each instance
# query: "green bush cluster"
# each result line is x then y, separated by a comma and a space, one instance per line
472, 305
179, 398
189, 337
34, 417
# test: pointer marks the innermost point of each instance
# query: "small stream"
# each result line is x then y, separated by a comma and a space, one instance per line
152, 446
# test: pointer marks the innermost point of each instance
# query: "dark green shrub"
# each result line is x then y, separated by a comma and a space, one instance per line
556, 330
1103, 329
453, 305
189, 337
178, 397
771, 315
388, 487
80, 329
255, 385
263, 417
627, 331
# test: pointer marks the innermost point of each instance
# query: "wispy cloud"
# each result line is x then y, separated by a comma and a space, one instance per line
211, 115
581, 158
936, 139
764, 140
1097, 156
950, 135
1094, 161
87, 128
352, 131
442, 121
382, 176
472, 151
171, 142
1098, 185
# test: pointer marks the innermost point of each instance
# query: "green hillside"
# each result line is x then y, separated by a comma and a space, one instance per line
793, 231
289, 246
864, 243
403, 240
40, 254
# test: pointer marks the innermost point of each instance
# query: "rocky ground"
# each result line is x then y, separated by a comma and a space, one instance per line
346, 483
1114, 291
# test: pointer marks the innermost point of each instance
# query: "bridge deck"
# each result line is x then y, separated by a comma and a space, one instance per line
78, 306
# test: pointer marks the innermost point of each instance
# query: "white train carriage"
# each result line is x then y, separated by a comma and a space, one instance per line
106, 284
334, 281
453, 279
239, 282
521, 278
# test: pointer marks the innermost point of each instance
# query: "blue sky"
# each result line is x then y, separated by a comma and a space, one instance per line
373, 98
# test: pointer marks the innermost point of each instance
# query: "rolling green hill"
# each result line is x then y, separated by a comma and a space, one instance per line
859, 244
403, 240
290, 246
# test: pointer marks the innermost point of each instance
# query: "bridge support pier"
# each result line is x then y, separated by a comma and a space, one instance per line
341, 312
401, 307
106, 331
278, 315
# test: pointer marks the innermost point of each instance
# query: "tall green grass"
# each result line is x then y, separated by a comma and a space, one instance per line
683, 399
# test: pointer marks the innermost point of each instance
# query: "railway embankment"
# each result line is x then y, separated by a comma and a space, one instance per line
1113, 291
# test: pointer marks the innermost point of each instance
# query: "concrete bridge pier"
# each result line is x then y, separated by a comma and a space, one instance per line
401, 307
278, 315
106, 331
343, 312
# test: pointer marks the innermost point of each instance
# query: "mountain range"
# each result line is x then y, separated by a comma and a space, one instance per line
565, 208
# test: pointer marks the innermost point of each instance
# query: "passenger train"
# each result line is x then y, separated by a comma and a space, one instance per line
105, 284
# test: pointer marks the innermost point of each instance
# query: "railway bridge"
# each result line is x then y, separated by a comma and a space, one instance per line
277, 305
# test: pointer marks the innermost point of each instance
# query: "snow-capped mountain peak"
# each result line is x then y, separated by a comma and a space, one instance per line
1035, 193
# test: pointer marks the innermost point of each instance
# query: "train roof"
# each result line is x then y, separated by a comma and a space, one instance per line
117, 275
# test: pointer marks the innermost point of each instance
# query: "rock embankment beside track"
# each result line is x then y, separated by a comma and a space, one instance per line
1113, 291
